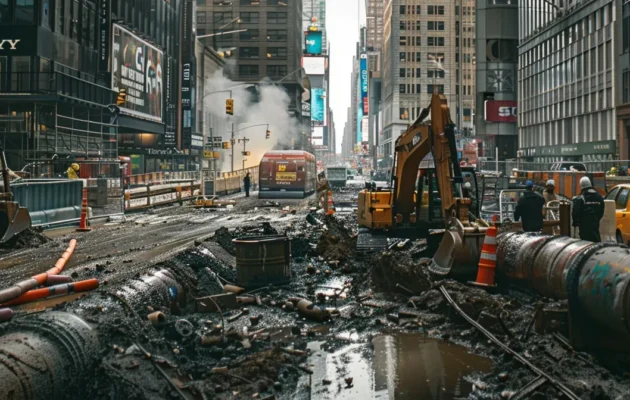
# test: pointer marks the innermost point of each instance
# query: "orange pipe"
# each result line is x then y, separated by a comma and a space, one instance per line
38, 294
59, 265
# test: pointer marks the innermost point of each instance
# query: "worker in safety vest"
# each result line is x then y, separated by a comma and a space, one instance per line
73, 171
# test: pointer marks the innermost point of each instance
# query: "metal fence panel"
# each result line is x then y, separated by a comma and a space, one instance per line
48, 194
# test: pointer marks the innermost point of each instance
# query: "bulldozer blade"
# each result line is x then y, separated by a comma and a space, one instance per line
458, 254
13, 220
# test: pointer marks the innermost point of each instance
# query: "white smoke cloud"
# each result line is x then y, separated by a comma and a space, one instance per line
272, 109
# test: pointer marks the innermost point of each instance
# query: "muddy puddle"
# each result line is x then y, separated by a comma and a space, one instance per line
397, 366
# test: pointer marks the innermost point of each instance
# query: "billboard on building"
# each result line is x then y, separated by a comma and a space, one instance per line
314, 65
500, 110
365, 129
318, 106
313, 42
137, 67
317, 138
363, 70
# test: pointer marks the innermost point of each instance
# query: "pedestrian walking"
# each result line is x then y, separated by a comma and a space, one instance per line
247, 181
588, 210
530, 209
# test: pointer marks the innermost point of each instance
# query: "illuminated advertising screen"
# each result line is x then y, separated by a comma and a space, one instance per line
313, 42
318, 106
364, 83
314, 65
137, 67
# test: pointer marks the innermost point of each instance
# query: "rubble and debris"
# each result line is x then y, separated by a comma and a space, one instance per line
5, 314
309, 310
390, 268
157, 318
337, 242
224, 301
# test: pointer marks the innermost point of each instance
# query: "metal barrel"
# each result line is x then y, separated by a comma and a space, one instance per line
263, 260
47, 356
603, 288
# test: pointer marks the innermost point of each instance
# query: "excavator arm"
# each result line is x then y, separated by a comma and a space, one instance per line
415, 144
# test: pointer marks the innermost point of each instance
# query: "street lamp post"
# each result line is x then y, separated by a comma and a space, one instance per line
244, 140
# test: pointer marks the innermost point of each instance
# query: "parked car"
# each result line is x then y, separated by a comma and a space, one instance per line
568, 166
621, 194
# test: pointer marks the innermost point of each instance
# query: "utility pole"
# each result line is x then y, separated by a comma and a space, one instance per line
244, 140
232, 142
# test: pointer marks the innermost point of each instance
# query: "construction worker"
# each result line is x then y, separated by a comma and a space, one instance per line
588, 210
322, 190
73, 171
247, 181
549, 194
530, 209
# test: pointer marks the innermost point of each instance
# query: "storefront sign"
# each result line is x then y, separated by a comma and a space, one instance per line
137, 67
306, 109
500, 110
9, 44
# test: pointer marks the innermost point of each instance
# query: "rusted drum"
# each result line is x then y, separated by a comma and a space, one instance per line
263, 260
557, 278
544, 261
47, 356
603, 288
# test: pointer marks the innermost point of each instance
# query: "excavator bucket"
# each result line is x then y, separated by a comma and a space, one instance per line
13, 220
458, 253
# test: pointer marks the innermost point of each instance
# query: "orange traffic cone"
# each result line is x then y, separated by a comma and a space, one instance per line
488, 260
331, 204
83, 227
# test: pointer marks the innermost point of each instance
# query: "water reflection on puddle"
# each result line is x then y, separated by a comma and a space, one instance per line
400, 366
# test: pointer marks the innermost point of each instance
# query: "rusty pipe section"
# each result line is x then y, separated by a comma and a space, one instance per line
593, 276
47, 356
158, 287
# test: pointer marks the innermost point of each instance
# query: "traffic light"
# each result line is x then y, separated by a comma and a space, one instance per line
122, 97
229, 106
246, 153
226, 145
268, 134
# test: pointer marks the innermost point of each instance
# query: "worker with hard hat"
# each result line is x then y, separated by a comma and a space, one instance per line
530, 209
549, 194
588, 210
73, 171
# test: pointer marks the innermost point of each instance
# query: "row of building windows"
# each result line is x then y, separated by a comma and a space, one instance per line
433, 10
417, 73
416, 25
254, 70
592, 127
253, 53
589, 103
273, 35
243, 17
411, 88
431, 41
283, 3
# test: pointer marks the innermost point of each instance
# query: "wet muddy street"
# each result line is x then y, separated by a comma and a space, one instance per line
173, 317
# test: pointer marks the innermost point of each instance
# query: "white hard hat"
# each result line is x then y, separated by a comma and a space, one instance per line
551, 182
585, 183
467, 185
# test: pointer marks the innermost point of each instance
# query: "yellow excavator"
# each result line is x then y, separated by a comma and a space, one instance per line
393, 212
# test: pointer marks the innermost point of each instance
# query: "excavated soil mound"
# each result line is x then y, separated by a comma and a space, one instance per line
224, 238
398, 267
338, 242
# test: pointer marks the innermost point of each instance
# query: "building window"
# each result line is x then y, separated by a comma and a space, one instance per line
418, 88
403, 10
440, 89
626, 87
201, 17
222, 17
403, 40
418, 72
275, 2
402, 73
435, 25
435, 10
277, 53
418, 10
250, 34
5, 17
276, 71
435, 73
25, 11
435, 41
404, 114
21, 74
248, 70
249, 17
403, 26
626, 28
403, 57
248, 53
401, 88
250, 2
276, 35
276, 18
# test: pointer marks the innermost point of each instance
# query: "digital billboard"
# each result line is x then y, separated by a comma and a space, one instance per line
500, 110
318, 106
314, 65
364, 84
313, 42
137, 67
317, 138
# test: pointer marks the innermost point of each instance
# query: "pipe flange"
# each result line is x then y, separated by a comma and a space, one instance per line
574, 269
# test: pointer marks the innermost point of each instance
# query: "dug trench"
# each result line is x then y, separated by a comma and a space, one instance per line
343, 327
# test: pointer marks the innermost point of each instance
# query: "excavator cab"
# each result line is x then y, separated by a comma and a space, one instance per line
13, 218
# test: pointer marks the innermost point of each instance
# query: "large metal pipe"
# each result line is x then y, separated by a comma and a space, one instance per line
594, 276
47, 356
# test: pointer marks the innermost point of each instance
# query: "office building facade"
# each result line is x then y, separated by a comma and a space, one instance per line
567, 70
426, 46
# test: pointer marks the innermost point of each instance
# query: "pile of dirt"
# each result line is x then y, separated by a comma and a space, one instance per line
390, 268
29, 238
337, 242
224, 238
